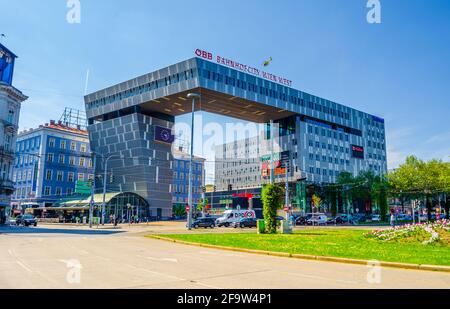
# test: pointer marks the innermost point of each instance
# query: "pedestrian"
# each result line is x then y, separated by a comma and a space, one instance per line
392, 220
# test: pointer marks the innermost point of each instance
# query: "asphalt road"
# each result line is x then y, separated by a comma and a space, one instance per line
75, 257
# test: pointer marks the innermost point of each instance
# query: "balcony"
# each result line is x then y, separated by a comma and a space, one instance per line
6, 153
6, 186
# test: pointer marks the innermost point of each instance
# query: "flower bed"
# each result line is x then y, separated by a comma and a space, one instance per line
413, 231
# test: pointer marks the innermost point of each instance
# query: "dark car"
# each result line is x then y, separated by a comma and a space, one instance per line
26, 220
245, 222
302, 220
204, 222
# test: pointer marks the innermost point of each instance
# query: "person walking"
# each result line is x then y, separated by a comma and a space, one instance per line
392, 220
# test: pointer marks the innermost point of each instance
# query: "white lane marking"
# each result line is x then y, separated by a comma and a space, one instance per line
172, 260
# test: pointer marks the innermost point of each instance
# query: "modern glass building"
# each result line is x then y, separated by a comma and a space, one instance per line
324, 137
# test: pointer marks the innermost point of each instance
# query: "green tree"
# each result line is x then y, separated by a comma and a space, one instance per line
178, 210
272, 199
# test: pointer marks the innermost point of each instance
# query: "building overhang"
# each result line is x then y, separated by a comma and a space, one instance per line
215, 102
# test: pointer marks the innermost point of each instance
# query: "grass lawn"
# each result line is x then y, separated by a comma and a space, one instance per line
347, 243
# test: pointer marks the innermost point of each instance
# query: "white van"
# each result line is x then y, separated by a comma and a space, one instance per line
230, 216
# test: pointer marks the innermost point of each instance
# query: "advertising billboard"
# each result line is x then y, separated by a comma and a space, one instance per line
164, 135
6, 65
357, 152
280, 161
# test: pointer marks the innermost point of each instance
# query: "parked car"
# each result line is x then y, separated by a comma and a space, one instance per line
245, 222
26, 220
376, 218
12, 221
317, 219
302, 220
204, 222
358, 218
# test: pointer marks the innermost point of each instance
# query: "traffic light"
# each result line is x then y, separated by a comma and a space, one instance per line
111, 178
214, 188
204, 189
230, 187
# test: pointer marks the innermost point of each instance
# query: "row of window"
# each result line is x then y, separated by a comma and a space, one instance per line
184, 189
324, 172
70, 176
328, 133
28, 144
63, 145
181, 164
235, 82
376, 145
318, 157
163, 82
25, 192
82, 162
183, 176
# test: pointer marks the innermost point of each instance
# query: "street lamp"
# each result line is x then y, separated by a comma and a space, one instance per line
192, 96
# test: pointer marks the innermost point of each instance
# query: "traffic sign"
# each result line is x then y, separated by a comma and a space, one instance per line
188, 208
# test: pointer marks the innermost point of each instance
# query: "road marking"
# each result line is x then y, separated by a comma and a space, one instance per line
172, 260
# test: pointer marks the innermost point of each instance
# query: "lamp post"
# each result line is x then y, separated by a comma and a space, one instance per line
192, 96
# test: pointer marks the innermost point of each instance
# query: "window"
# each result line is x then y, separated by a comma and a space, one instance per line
80, 177
59, 176
51, 142
72, 161
83, 148
48, 175
90, 177
81, 161
62, 145
47, 191
61, 159
90, 163
58, 191
70, 177
50, 157
11, 116
73, 146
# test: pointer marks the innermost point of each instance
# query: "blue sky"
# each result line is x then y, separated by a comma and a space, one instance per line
399, 69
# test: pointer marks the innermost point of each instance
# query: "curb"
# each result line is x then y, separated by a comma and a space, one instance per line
423, 267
